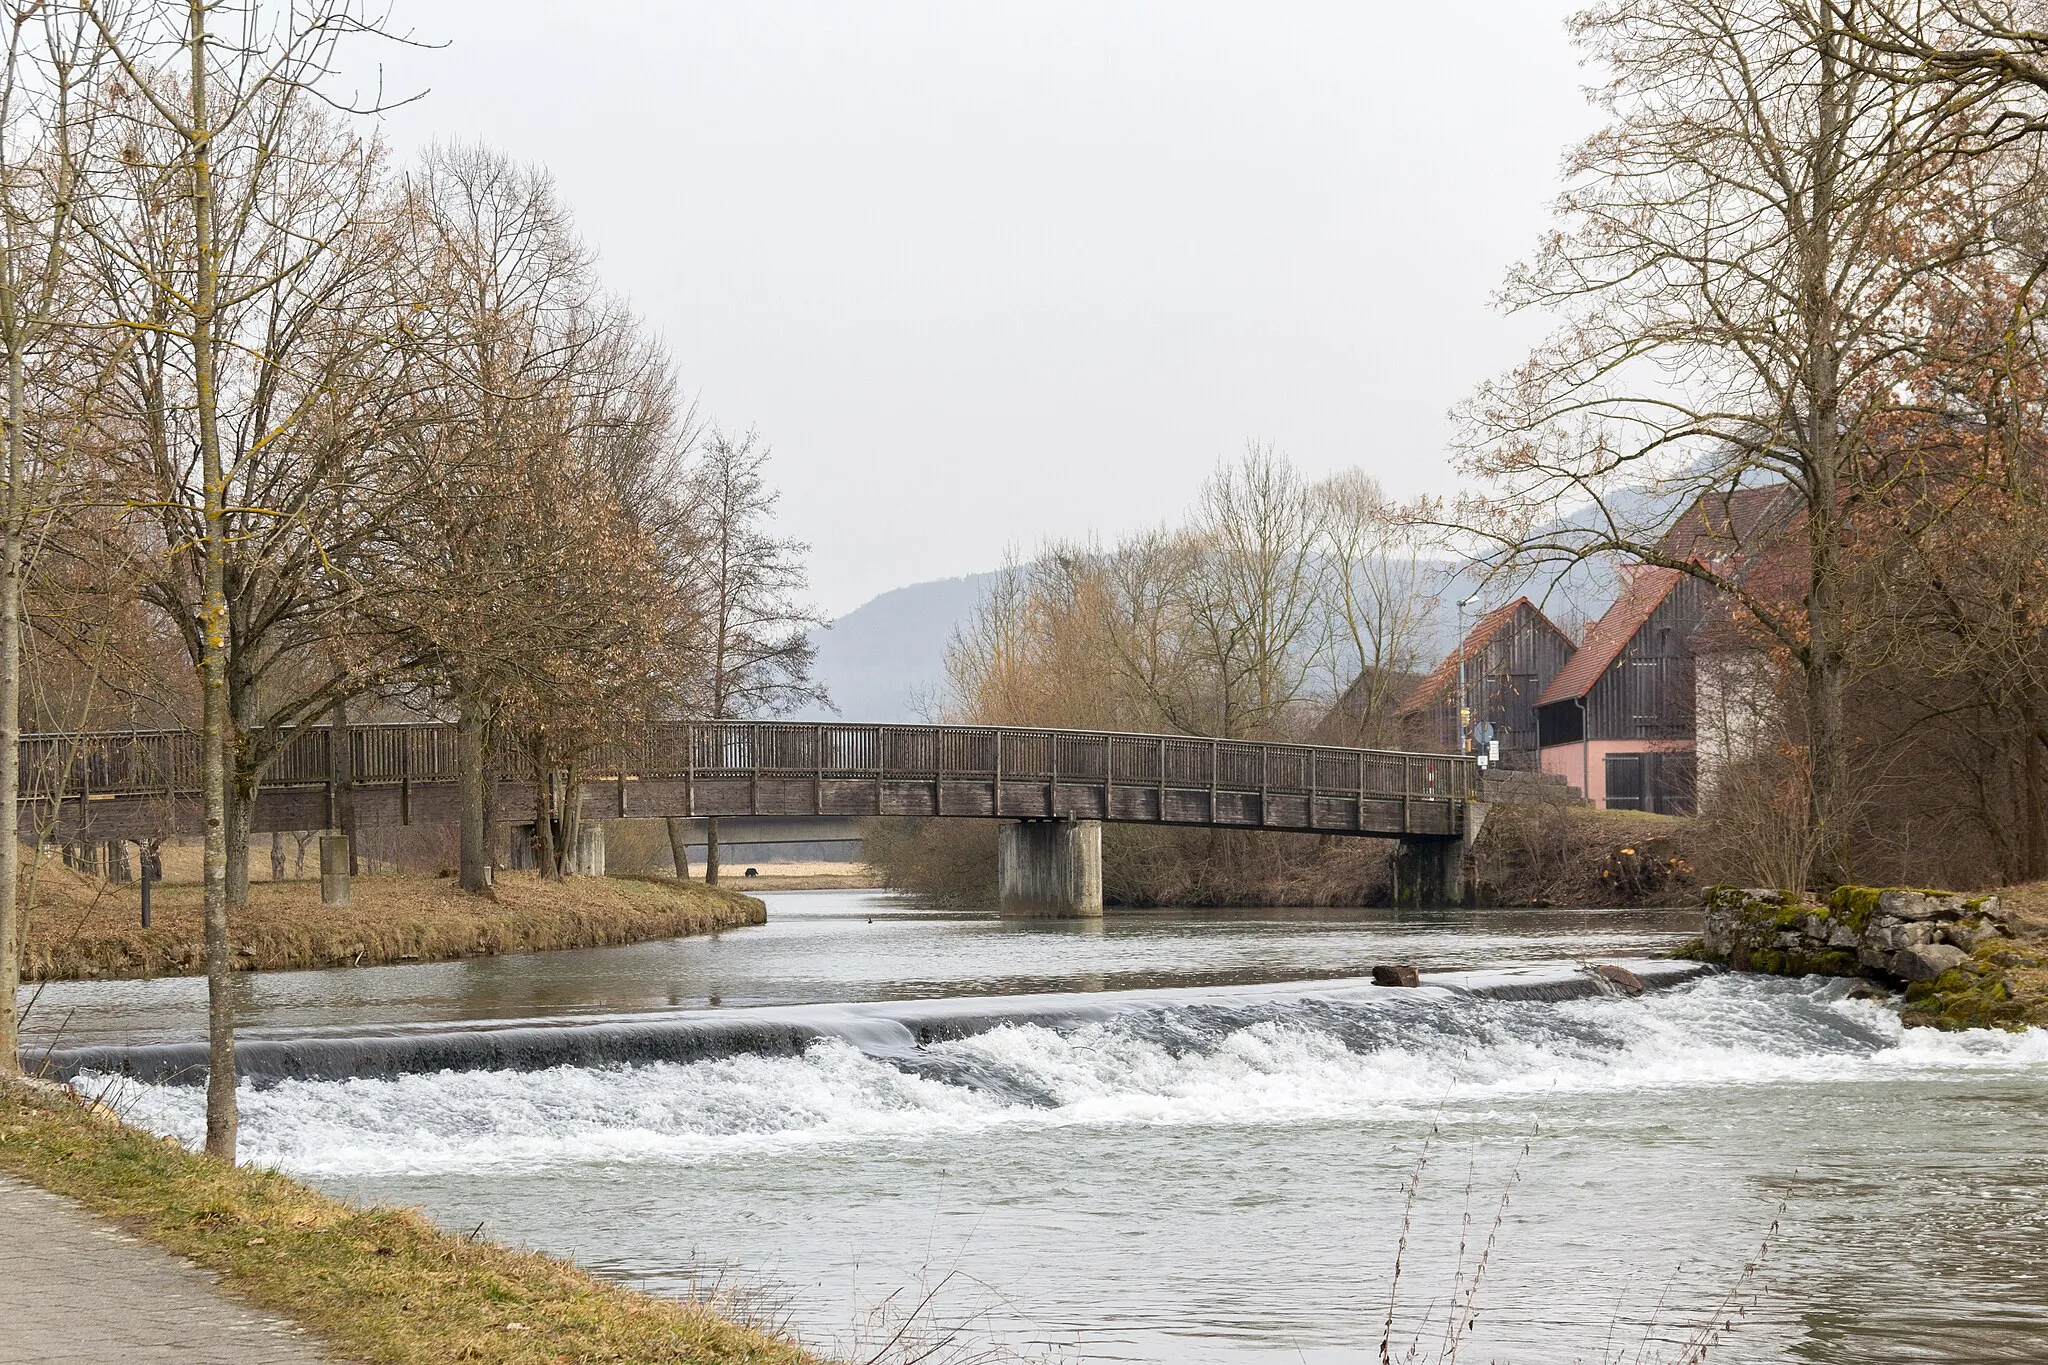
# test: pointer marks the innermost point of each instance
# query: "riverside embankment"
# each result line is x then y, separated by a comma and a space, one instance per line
1964, 960
1205, 1156
84, 929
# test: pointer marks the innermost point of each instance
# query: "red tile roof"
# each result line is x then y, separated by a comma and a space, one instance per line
1481, 635
1736, 524
1757, 536
1644, 592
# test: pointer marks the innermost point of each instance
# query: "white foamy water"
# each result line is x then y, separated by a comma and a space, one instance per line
1309, 1062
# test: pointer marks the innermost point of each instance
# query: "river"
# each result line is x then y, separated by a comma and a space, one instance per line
1213, 1161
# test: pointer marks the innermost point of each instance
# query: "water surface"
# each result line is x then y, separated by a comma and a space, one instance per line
1212, 1177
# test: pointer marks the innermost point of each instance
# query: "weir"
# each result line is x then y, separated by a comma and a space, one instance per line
894, 1030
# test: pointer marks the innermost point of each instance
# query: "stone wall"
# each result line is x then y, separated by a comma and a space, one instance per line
1957, 956
1892, 935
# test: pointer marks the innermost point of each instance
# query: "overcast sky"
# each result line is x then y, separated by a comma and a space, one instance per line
984, 274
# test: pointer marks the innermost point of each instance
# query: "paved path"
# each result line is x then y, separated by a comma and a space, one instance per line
76, 1289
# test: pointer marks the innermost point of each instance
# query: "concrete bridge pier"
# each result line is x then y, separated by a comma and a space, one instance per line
1050, 869
1432, 873
1429, 874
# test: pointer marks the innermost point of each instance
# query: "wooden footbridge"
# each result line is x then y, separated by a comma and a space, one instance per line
1054, 787
139, 784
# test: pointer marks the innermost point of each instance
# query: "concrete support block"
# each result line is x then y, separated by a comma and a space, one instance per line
334, 870
1050, 869
589, 859
1429, 873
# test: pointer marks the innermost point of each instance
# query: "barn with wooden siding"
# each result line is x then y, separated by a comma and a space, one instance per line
1509, 657
1617, 721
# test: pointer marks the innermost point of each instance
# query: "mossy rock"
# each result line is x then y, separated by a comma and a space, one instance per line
1782, 962
1853, 906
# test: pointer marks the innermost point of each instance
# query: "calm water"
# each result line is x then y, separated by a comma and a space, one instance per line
1214, 1176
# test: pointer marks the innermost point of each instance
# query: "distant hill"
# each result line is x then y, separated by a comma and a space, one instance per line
884, 659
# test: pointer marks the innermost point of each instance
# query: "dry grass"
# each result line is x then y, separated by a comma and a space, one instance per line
81, 928
1563, 854
802, 876
374, 1284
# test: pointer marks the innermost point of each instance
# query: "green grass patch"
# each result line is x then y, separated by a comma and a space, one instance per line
373, 1284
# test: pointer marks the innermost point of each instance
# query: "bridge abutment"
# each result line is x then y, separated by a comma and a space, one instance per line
1050, 869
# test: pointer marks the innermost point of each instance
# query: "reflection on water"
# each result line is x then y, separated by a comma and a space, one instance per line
1205, 1183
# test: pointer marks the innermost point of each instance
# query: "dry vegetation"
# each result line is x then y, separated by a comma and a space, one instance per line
373, 1284
80, 927
1552, 854
1563, 854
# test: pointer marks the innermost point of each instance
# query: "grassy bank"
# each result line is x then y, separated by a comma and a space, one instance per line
81, 928
373, 1284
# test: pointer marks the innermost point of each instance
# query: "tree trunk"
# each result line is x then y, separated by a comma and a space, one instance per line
569, 824
711, 852
221, 1117
277, 855
10, 738
240, 805
472, 810
678, 847
342, 751
544, 826
2036, 842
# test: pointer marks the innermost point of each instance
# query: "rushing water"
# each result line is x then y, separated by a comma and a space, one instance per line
1208, 1172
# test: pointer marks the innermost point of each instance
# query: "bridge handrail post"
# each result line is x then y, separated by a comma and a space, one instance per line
997, 801
1265, 779
1162, 779
1108, 771
1407, 794
1052, 786
1215, 762
1313, 776
754, 769
1359, 760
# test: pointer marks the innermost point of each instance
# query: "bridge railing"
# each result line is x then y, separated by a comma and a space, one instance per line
166, 762
834, 749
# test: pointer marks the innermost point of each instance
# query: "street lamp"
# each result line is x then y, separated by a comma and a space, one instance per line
1464, 711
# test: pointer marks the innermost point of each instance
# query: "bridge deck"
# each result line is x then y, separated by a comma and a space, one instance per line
128, 783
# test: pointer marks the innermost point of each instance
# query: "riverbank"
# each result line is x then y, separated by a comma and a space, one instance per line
84, 929
372, 1284
803, 877
1963, 959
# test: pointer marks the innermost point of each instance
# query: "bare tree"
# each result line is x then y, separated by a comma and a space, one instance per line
756, 649
49, 65
210, 105
1254, 599
1741, 274
506, 299
1380, 599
